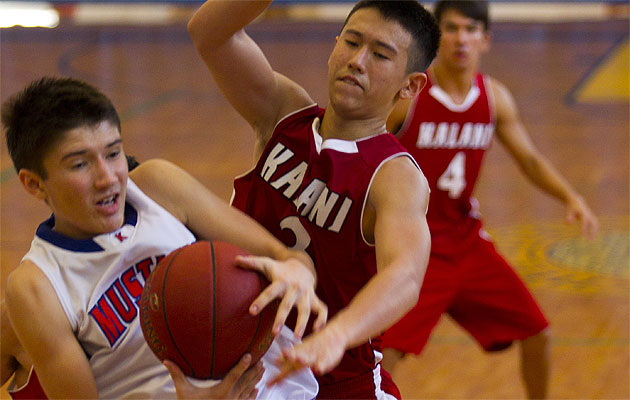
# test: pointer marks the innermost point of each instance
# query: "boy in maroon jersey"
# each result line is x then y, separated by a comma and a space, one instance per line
447, 128
332, 181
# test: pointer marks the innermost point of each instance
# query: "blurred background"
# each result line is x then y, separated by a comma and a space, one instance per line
566, 63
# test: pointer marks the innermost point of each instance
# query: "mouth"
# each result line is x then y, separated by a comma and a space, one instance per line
350, 80
108, 201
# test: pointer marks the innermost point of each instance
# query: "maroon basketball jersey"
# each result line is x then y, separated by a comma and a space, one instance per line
310, 194
449, 141
31, 390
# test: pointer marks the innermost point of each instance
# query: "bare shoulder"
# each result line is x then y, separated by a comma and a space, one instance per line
399, 180
151, 171
164, 182
503, 99
24, 281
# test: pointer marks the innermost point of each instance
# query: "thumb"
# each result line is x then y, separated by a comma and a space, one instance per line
176, 373
255, 263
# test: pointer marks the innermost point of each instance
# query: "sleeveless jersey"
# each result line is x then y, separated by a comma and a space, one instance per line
31, 390
449, 141
99, 282
310, 194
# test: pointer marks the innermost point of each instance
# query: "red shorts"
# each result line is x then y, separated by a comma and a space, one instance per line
480, 291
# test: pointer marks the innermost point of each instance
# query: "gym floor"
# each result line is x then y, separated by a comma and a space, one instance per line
570, 80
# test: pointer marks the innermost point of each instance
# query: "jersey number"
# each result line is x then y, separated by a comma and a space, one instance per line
453, 180
302, 238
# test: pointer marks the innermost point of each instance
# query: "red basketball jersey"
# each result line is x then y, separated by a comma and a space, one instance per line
449, 141
31, 390
310, 194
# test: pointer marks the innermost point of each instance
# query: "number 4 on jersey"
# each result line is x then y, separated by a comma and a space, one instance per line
453, 180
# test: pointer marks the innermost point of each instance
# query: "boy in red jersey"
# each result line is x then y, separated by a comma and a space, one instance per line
447, 129
332, 181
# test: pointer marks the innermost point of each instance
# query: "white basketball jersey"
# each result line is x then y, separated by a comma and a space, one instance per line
99, 282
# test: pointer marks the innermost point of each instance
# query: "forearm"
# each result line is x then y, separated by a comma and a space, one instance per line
382, 301
216, 21
542, 174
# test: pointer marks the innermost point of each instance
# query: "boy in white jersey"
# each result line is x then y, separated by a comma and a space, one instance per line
73, 300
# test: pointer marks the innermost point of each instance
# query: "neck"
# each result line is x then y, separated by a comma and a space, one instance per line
456, 83
335, 126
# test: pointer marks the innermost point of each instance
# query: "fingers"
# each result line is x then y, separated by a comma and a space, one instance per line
268, 295
255, 263
304, 311
287, 367
288, 300
253, 375
179, 379
322, 314
247, 383
235, 373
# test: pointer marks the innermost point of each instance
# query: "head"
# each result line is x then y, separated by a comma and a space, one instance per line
416, 21
473, 9
465, 32
380, 56
64, 138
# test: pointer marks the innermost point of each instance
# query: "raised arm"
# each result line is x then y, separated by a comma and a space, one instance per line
395, 219
209, 217
45, 333
240, 68
512, 134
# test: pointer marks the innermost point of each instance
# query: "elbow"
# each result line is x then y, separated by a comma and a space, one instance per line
413, 284
195, 31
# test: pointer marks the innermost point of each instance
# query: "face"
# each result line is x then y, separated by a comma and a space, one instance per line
367, 67
463, 41
86, 183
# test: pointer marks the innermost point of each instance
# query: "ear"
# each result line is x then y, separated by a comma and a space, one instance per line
33, 183
330, 55
415, 83
487, 39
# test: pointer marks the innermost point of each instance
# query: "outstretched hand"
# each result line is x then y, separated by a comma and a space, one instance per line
321, 351
578, 210
294, 282
239, 383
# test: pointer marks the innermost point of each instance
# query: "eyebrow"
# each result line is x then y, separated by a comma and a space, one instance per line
378, 42
80, 152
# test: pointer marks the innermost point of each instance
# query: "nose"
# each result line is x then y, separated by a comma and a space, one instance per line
461, 35
104, 174
358, 59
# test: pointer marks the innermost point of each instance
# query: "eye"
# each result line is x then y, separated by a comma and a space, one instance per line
351, 43
381, 56
78, 164
114, 153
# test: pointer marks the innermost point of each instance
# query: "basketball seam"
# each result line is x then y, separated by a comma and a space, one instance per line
214, 307
168, 329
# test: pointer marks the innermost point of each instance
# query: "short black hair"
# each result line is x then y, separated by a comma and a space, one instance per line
38, 117
473, 9
416, 20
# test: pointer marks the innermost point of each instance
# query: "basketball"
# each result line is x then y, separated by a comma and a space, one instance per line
194, 310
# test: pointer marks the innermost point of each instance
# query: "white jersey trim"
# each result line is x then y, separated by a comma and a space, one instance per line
367, 193
440, 95
12, 386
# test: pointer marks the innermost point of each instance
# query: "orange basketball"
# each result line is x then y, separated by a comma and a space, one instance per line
194, 310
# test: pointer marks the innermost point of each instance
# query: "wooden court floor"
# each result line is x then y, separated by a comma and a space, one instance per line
172, 109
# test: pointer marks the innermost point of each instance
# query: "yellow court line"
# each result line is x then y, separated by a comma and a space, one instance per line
610, 81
